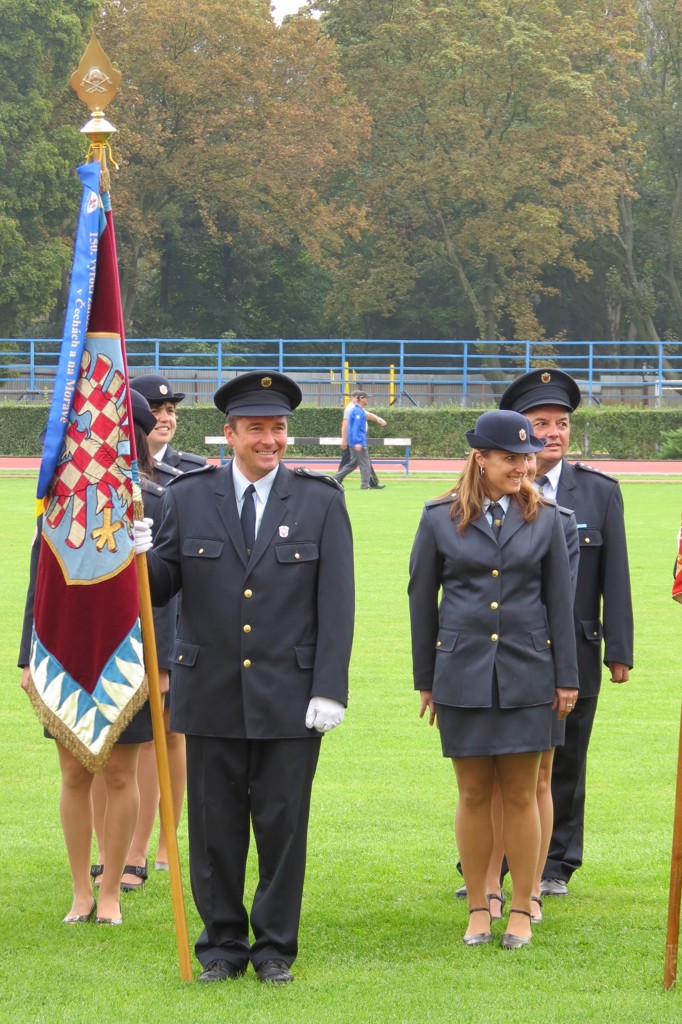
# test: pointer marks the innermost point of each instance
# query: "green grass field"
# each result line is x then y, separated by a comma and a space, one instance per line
380, 932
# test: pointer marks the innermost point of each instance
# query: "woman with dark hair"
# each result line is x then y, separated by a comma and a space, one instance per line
496, 654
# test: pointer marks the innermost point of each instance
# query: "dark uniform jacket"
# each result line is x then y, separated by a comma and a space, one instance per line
256, 638
184, 461
164, 618
505, 609
603, 577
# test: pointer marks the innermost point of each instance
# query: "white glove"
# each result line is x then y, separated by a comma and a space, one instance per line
142, 535
324, 714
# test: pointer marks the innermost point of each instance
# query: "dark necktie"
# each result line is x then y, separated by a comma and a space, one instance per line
497, 512
248, 518
540, 482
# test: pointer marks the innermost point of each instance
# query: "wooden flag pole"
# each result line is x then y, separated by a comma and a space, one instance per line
675, 895
96, 82
161, 748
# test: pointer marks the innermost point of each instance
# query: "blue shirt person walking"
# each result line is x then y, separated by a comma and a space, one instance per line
357, 444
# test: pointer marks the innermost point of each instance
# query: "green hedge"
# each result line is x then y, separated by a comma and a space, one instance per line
620, 432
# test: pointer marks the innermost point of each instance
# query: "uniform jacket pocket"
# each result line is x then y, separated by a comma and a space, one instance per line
447, 639
589, 537
293, 553
197, 547
184, 653
541, 639
305, 656
592, 628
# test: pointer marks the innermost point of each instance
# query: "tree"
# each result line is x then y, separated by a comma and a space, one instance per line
496, 146
233, 134
41, 42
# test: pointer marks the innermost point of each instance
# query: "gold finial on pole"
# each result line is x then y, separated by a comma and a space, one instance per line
96, 81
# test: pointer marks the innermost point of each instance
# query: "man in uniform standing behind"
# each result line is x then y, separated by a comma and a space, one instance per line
547, 397
264, 557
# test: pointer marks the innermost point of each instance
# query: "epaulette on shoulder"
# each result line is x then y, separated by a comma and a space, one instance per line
563, 511
193, 473
166, 471
151, 487
445, 499
310, 474
191, 457
591, 469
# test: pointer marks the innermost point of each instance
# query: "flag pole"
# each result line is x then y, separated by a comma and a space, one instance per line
96, 82
675, 894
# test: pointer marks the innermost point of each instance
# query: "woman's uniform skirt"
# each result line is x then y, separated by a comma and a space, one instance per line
485, 732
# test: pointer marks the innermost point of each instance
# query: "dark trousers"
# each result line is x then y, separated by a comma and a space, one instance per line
568, 792
345, 459
231, 785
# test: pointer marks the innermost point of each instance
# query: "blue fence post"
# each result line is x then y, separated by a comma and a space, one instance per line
590, 370
465, 372
32, 365
401, 371
281, 355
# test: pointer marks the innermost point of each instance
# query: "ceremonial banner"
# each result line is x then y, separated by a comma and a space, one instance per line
677, 582
87, 668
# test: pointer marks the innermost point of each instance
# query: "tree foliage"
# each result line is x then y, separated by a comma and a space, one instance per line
41, 42
233, 133
496, 146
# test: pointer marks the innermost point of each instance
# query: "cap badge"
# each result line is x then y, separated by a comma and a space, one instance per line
284, 531
522, 434
163, 389
546, 377
266, 382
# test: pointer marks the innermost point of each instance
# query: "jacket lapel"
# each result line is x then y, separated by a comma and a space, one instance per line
484, 526
512, 522
227, 507
564, 492
273, 514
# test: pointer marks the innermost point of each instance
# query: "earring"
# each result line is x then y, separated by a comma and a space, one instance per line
481, 470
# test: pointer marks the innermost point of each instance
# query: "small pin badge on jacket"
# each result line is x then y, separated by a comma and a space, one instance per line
284, 531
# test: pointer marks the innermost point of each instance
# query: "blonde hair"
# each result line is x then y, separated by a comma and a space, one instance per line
468, 495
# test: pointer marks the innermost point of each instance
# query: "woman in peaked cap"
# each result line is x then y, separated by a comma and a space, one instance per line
496, 654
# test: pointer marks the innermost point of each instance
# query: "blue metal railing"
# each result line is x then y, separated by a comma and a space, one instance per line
422, 372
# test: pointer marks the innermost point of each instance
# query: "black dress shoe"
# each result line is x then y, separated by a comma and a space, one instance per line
221, 970
275, 971
553, 887
376, 487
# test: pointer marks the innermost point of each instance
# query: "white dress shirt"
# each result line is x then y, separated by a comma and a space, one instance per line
262, 492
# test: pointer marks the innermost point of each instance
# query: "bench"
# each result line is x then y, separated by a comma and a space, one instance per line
372, 442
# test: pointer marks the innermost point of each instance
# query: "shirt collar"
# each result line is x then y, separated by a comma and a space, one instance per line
160, 454
503, 501
554, 474
263, 486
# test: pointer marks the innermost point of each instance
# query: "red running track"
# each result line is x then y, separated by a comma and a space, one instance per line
624, 467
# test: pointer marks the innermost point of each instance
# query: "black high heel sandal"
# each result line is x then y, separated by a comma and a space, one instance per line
509, 941
480, 938
140, 870
502, 899
533, 918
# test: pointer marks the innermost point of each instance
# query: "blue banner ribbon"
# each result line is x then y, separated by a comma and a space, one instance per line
90, 222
